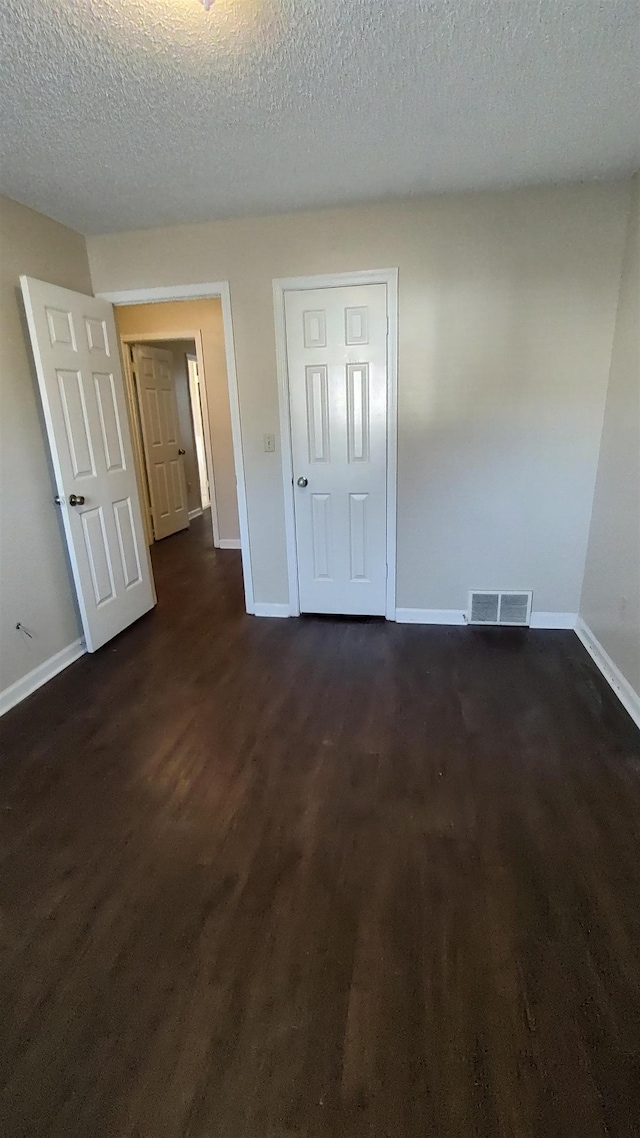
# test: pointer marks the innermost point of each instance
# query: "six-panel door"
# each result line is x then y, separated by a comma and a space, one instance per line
337, 365
80, 379
161, 435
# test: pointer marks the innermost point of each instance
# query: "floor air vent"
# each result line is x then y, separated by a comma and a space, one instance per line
499, 608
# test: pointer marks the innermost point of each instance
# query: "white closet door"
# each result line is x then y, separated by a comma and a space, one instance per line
337, 365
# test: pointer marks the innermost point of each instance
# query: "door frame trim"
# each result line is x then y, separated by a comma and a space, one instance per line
204, 291
281, 285
139, 456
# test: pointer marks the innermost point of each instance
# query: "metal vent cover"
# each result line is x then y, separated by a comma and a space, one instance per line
499, 608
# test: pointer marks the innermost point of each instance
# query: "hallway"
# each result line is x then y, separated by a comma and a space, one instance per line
266, 878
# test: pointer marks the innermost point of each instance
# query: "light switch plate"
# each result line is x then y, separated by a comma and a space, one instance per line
269, 443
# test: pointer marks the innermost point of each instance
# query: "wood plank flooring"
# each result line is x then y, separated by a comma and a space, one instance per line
300, 879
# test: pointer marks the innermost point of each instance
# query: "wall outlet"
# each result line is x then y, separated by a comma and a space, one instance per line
269, 443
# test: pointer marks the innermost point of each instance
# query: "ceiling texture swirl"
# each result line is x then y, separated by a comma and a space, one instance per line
121, 114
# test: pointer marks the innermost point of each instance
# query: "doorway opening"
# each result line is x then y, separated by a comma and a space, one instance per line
174, 363
175, 472
179, 312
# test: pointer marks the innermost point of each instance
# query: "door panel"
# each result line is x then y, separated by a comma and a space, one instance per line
98, 555
337, 362
74, 409
97, 337
110, 425
321, 523
152, 369
318, 413
75, 350
358, 536
129, 559
358, 424
179, 502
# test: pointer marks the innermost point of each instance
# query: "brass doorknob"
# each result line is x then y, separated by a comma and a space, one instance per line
76, 499
302, 482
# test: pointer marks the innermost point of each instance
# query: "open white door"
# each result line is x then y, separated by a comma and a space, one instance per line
76, 355
152, 370
197, 415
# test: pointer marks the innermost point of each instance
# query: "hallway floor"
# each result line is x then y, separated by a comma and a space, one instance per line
312, 878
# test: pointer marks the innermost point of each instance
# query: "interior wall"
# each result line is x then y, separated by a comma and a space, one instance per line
181, 317
507, 310
35, 579
178, 350
611, 595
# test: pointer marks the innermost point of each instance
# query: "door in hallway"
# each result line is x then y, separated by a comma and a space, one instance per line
336, 342
163, 452
80, 379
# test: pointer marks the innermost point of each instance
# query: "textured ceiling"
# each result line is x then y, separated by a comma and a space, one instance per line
120, 114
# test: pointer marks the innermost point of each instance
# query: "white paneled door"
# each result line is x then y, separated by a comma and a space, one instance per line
80, 379
336, 342
152, 368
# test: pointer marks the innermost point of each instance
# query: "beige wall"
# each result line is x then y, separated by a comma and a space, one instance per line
178, 350
507, 310
35, 581
611, 595
507, 314
178, 318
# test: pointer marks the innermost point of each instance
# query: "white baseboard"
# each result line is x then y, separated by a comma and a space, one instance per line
263, 609
23, 687
229, 543
612, 674
195, 513
458, 616
430, 616
554, 620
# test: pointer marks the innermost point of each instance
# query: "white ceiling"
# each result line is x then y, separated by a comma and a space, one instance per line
121, 114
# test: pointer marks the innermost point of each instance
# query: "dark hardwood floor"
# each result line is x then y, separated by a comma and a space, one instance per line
266, 879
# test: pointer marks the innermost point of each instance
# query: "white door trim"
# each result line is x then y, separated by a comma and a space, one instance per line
137, 443
201, 292
388, 277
